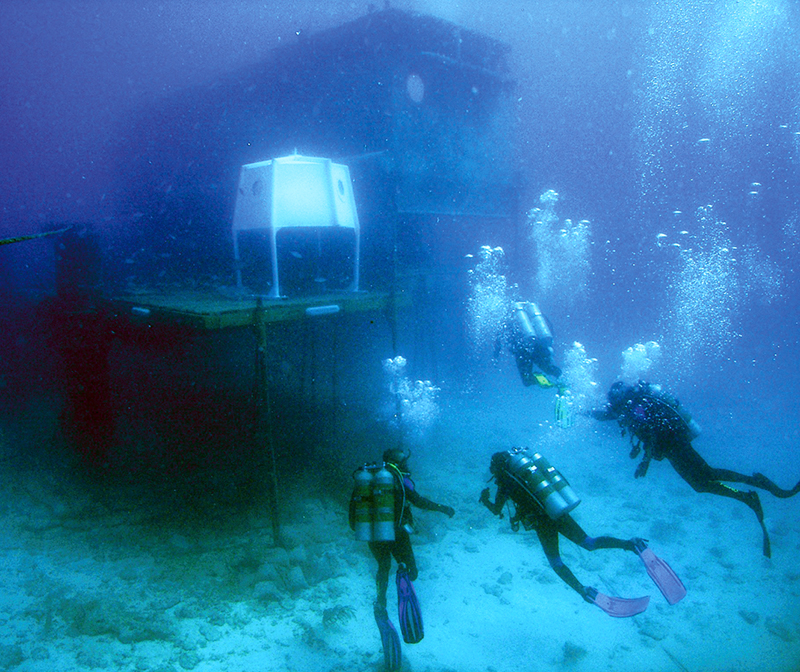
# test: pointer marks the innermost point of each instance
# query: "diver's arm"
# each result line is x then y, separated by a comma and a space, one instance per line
499, 501
641, 470
498, 346
428, 505
602, 414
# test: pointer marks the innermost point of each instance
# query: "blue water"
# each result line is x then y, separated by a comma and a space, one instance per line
657, 150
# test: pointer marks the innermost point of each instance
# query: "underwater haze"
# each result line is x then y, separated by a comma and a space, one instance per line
176, 497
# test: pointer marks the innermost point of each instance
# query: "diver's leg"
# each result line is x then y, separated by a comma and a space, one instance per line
404, 553
525, 368
575, 533
686, 459
382, 550
697, 473
703, 478
548, 536
758, 480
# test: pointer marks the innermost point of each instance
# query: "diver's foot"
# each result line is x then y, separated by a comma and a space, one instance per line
637, 545
761, 481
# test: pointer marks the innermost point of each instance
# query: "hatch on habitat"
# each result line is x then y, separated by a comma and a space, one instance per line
418, 109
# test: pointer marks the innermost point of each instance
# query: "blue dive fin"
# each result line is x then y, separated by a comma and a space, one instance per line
668, 583
389, 639
408, 609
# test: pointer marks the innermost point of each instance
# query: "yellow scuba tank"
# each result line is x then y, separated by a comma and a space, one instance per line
383, 505
543, 482
564, 408
362, 503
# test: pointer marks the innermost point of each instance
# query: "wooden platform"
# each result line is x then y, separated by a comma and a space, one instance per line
212, 311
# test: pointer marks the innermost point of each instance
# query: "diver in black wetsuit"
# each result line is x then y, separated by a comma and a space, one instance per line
660, 427
529, 338
405, 494
533, 516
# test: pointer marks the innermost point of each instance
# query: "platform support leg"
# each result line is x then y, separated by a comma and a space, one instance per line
264, 429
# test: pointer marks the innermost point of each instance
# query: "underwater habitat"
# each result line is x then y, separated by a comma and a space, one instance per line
409, 335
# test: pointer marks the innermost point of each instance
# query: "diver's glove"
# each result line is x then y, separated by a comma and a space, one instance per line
641, 470
449, 510
484, 499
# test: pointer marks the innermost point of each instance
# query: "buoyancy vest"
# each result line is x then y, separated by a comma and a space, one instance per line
656, 418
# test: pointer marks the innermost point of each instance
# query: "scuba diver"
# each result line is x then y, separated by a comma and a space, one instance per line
543, 500
529, 338
660, 428
380, 513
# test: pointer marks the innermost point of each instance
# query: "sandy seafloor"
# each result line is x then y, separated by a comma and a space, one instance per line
90, 585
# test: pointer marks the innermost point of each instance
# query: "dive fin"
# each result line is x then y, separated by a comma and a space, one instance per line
668, 583
542, 380
621, 607
408, 609
766, 547
751, 499
389, 639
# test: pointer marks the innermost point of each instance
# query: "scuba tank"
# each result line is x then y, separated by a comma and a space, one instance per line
361, 501
692, 426
559, 483
383, 505
539, 324
543, 482
372, 503
524, 322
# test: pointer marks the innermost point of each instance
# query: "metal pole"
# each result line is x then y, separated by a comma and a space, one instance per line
263, 428
334, 372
